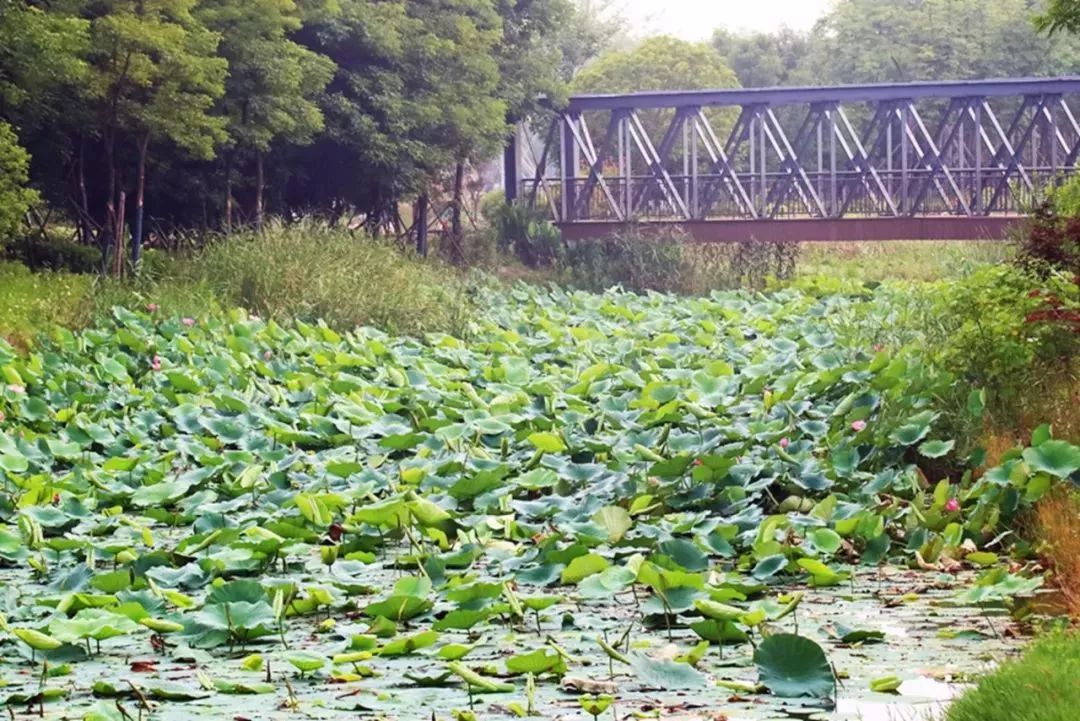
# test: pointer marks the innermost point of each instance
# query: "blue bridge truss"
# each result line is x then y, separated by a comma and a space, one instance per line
941, 159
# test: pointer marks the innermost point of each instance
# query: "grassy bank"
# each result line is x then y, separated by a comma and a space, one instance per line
303, 271
30, 301
1040, 686
923, 260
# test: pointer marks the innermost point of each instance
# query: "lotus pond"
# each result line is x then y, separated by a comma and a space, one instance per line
605, 506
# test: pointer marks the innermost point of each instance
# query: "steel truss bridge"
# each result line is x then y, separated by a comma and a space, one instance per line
949, 160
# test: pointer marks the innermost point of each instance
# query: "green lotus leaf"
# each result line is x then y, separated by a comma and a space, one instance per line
792, 666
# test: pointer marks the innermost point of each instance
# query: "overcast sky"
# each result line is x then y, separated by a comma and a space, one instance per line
696, 19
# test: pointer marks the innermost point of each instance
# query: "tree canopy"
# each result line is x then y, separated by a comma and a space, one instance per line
1059, 15
212, 112
658, 63
872, 41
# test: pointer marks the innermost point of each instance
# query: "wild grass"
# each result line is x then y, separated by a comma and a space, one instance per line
1057, 525
1040, 686
306, 271
31, 302
314, 272
918, 260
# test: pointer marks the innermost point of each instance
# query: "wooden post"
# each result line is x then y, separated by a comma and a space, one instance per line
421, 223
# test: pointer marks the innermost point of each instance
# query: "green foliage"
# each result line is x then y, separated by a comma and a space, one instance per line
15, 197
201, 110
42, 57
764, 60
1040, 686
273, 84
868, 41
56, 251
529, 60
887, 41
1051, 238
688, 453
1002, 331
1065, 197
525, 232
667, 260
593, 27
155, 74
995, 331
836, 264
415, 91
658, 63
1059, 15
637, 260
791, 666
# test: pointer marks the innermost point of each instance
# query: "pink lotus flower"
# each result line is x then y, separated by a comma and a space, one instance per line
858, 426
878, 347
16, 388
189, 322
952, 506
784, 442
2, 416
151, 307
267, 355
155, 364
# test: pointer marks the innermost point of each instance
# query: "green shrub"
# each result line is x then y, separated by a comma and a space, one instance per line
634, 259
56, 252
1005, 330
310, 271
1051, 237
525, 232
1040, 686
1064, 198
666, 259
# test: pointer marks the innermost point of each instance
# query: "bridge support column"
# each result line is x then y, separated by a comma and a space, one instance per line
511, 176
568, 169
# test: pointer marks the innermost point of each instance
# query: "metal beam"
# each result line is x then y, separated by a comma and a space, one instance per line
825, 94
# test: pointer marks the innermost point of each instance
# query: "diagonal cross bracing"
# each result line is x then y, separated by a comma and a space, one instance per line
875, 151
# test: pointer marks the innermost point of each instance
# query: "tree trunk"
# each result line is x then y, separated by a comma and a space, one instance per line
85, 231
259, 183
118, 240
110, 196
140, 193
421, 223
455, 217
228, 191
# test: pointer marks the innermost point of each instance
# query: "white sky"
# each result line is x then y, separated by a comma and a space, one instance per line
696, 19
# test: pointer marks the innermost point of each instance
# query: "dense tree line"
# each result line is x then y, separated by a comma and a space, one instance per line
213, 113
881, 41
216, 112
